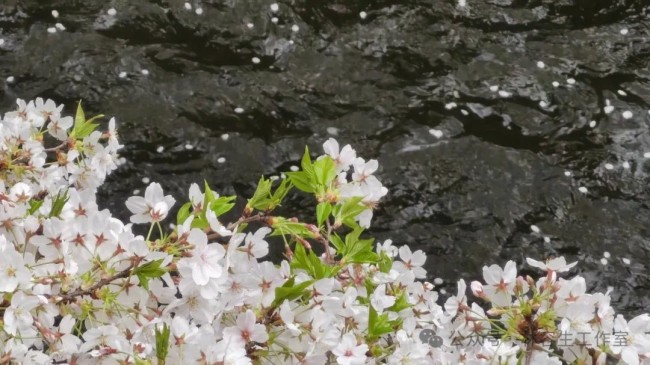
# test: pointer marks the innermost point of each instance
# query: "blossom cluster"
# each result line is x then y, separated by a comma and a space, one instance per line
78, 286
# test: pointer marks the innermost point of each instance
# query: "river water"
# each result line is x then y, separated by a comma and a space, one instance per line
486, 119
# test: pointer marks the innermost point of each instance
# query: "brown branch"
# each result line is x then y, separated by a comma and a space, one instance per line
243, 219
91, 290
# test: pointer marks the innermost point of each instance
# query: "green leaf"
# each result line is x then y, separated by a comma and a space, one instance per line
378, 325
260, 198
208, 195
162, 343
299, 259
323, 211
301, 180
305, 163
290, 291
401, 303
183, 213
364, 258
282, 226
80, 117
324, 171
34, 205
338, 243
222, 205
150, 270
385, 262
312, 264
82, 127
280, 193
58, 203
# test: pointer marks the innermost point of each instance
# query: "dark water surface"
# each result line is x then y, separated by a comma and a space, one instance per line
382, 83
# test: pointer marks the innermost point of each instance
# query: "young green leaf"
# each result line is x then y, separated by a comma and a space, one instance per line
34, 205
324, 171
222, 204
301, 180
183, 213
378, 325
58, 203
162, 343
323, 211
148, 271
82, 127
289, 291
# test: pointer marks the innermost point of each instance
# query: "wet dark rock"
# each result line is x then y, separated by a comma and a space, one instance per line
467, 198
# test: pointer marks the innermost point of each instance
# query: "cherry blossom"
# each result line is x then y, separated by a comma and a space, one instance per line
152, 208
79, 286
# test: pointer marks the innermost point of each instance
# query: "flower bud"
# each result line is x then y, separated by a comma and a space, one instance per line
477, 289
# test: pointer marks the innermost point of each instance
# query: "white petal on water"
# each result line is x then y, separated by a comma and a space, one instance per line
111, 11
603, 261
145, 72
122, 75
160, 149
555, 84
592, 124
11, 79
225, 136
146, 180
51, 30
608, 109
609, 166
198, 11
239, 110
274, 20
626, 261
295, 28
188, 6
55, 14
567, 173
189, 147
363, 15
534, 228
583, 190
646, 155
607, 255
294, 168
504, 94
436, 133
626, 165
621, 93
450, 106
624, 31
494, 88
540, 64
256, 60
275, 7
333, 131
571, 81
438, 281
60, 26
221, 160
627, 114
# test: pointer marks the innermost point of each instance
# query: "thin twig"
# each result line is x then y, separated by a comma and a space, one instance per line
90, 290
